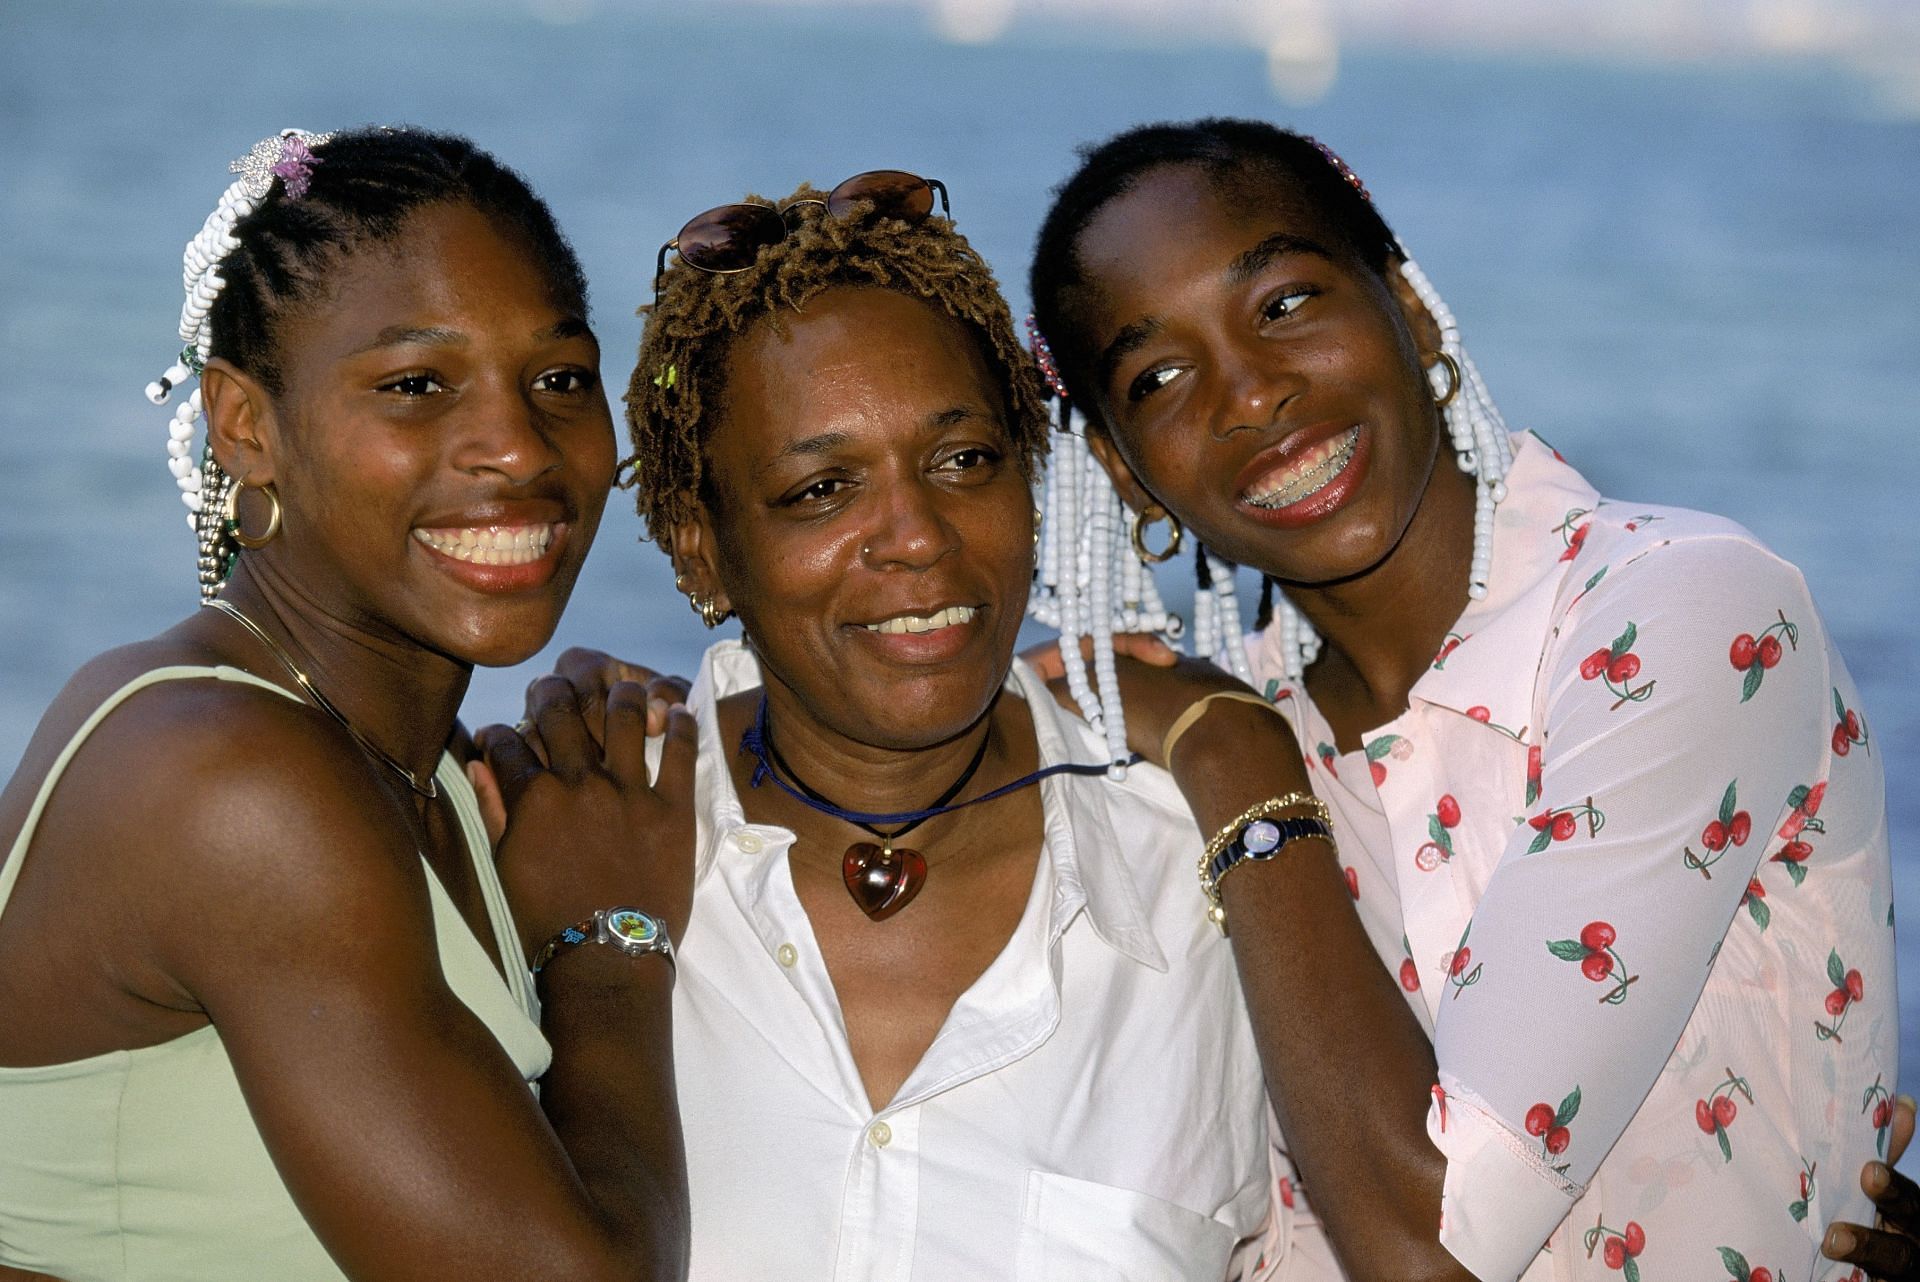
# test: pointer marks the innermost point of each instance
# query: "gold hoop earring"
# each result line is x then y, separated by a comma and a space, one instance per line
230, 514
1175, 534
1453, 381
710, 613
1038, 516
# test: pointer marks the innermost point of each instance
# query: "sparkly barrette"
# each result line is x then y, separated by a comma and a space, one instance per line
1044, 355
1340, 167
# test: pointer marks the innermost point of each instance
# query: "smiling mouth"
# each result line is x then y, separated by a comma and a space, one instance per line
491, 544
1305, 474
906, 624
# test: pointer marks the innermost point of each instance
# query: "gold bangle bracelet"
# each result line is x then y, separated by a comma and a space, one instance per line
1198, 709
1209, 886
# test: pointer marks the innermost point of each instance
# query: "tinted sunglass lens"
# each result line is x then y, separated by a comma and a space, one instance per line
893, 193
727, 239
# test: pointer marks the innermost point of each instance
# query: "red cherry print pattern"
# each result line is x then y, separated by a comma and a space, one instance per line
1755, 902
1756, 656
1447, 647
1803, 817
1353, 881
1799, 1206
1618, 665
1849, 731
1848, 988
1598, 959
1409, 973
1619, 1248
1730, 826
1716, 1112
1377, 750
1438, 849
1550, 1125
1576, 540
1462, 971
1533, 773
1736, 1264
1877, 1106
1326, 753
1561, 824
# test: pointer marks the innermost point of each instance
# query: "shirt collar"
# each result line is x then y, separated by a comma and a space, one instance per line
1482, 670
1081, 845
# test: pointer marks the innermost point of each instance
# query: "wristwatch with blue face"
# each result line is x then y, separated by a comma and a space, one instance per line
633, 931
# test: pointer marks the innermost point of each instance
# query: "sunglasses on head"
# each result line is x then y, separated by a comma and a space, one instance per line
727, 238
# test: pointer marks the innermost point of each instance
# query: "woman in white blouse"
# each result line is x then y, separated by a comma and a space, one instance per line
995, 1042
1609, 810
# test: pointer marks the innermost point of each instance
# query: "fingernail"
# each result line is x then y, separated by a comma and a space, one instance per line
1839, 1241
656, 707
1875, 1178
1907, 1101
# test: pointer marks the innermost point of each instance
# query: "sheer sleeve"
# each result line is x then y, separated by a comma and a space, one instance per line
1684, 706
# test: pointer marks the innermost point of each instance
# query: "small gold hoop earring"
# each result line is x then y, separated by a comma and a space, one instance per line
1453, 380
230, 514
710, 613
1153, 514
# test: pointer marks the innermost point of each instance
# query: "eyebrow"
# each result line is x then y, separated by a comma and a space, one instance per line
828, 442
1279, 245
1242, 269
441, 336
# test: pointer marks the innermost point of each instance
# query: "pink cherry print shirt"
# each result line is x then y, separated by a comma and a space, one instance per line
1626, 851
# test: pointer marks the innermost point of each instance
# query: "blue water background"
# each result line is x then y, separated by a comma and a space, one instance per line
1698, 281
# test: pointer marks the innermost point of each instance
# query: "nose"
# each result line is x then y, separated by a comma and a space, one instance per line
1255, 387
909, 530
507, 435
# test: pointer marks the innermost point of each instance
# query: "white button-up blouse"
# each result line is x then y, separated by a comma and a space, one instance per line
1092, 1108
1627, 852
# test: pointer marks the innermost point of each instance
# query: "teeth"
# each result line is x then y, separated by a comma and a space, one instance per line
1307, 473
491, 545
902, 624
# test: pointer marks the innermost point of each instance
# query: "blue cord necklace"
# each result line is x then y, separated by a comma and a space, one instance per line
882, 878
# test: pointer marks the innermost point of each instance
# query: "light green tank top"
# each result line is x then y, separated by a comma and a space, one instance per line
145, 1164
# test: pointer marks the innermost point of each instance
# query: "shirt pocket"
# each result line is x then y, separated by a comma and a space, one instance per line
1078, 1231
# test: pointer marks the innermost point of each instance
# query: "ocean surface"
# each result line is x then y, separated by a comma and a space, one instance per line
1698, 281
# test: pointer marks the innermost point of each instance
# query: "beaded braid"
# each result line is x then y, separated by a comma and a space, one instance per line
287, 156
1478, 433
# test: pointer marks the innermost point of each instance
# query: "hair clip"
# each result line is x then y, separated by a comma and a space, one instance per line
1340, 167
1044, 355
667, 377
287, 155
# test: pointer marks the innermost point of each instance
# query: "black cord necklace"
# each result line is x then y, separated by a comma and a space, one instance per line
882, 878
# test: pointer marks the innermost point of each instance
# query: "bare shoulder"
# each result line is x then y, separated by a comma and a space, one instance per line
201, 805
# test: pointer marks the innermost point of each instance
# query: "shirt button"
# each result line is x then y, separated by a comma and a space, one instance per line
786, 955
880, 1134
749, 842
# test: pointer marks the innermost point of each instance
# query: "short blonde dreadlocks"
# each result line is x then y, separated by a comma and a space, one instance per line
678, 384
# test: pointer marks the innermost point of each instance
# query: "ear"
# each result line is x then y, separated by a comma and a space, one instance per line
695, 564
241, 426
1132, 493
1420, 322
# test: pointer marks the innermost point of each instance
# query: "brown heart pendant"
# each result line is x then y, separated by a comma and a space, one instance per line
882, 881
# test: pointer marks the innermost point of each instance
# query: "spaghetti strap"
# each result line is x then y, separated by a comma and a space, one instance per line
16, 856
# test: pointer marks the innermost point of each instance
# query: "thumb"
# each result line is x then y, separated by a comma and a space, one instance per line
493, 807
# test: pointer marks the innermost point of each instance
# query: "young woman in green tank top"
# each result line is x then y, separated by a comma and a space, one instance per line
267, 1011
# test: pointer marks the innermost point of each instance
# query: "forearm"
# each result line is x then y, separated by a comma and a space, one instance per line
610, 1097
1348, 1067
